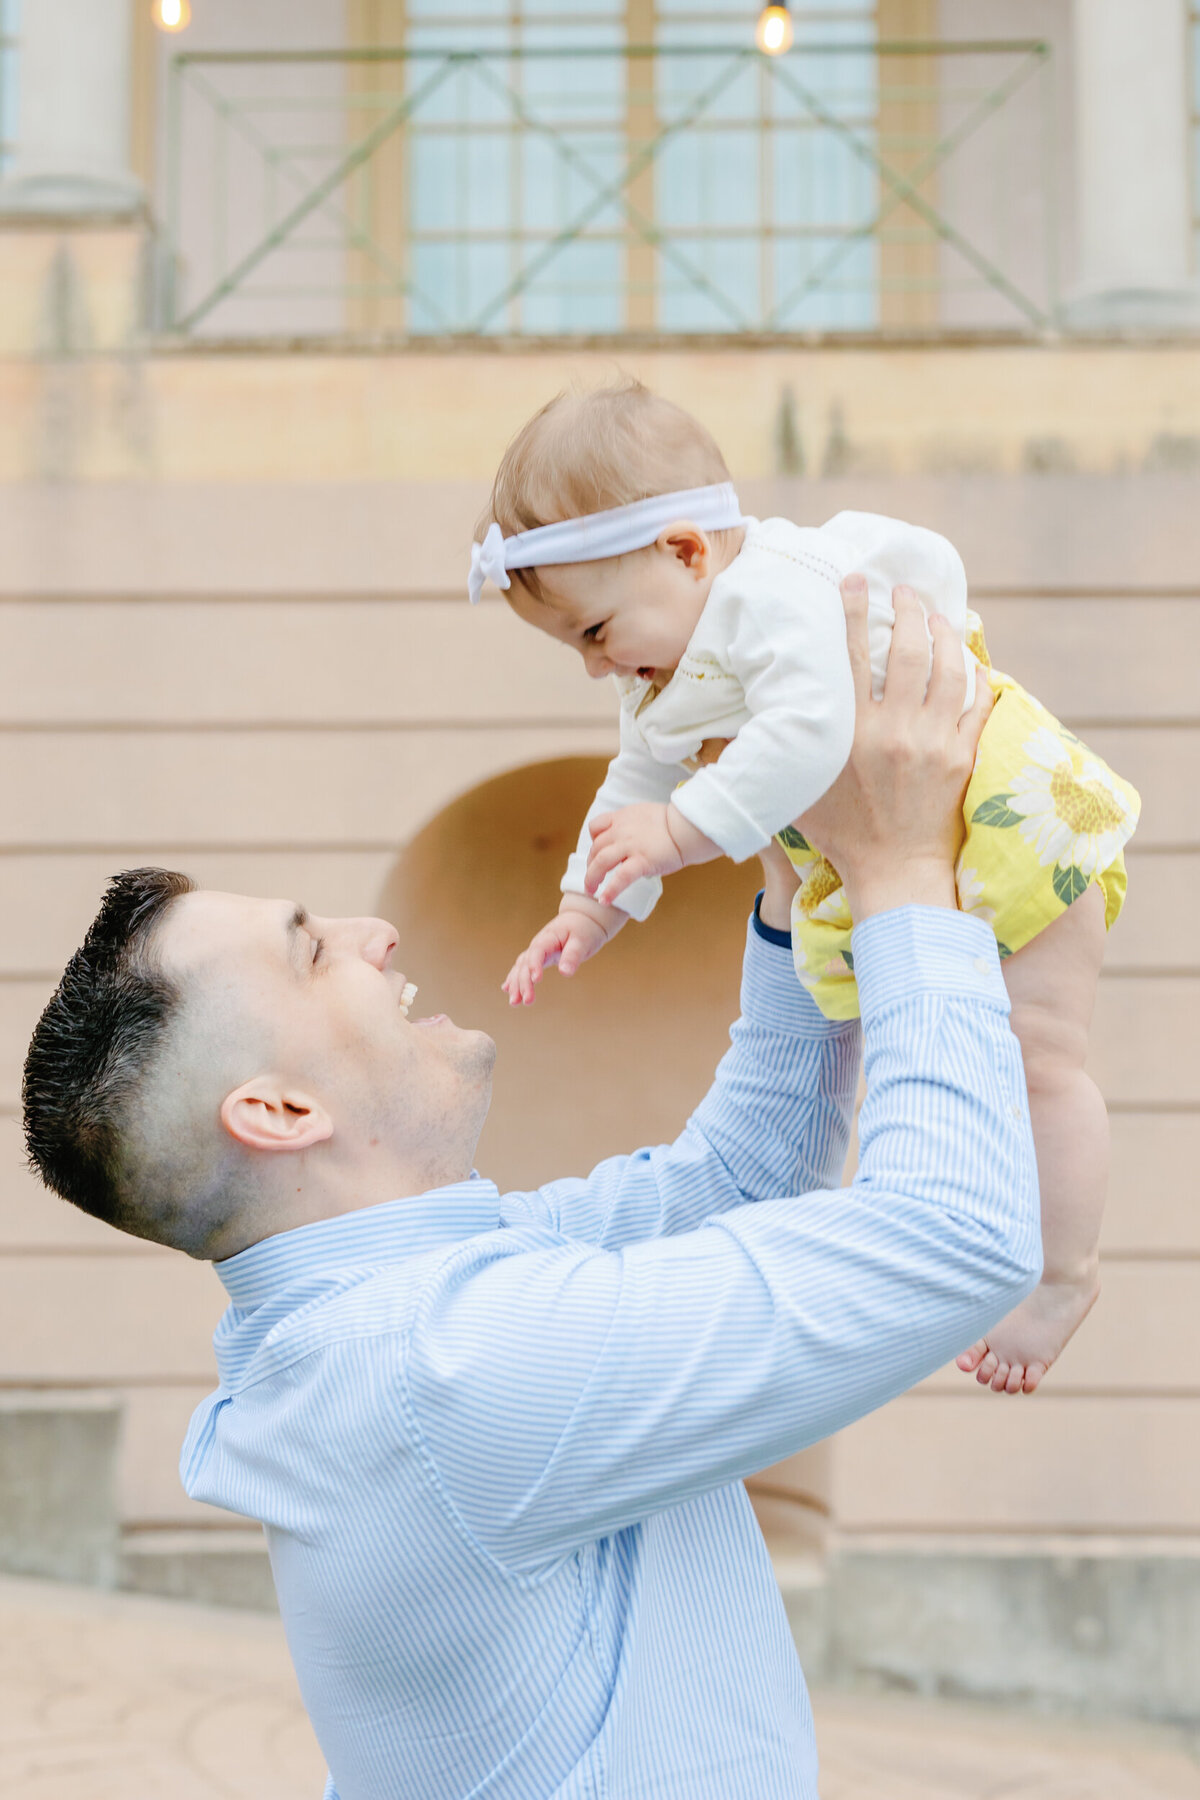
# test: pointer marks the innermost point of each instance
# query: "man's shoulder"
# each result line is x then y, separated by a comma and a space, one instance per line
381, 1300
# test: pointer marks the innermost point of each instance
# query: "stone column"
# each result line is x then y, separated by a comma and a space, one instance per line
1133, 205
73, 131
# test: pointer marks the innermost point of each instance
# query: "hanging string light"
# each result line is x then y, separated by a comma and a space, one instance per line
171, 15
774, 32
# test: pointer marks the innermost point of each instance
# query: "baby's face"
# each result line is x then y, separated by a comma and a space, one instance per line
627, 615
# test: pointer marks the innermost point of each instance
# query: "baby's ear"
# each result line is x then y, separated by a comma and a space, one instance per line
687, 543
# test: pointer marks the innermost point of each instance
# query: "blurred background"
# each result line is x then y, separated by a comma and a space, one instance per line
278, 280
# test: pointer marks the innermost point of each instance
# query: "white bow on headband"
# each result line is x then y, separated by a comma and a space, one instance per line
601, 534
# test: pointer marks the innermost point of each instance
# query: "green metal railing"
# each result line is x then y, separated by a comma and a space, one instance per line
1194, 146
10, 19
608, 189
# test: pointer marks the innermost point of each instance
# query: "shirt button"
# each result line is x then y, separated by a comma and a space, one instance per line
981, 965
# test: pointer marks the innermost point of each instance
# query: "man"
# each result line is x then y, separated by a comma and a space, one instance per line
497, 1442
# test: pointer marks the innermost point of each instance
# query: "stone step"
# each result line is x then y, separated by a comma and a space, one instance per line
1096, 1628
58, 1483
214, 1566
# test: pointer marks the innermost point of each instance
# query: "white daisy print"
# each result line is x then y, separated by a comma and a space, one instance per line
1075, 818
969, 883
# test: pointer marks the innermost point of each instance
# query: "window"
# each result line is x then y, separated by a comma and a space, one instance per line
693, 190
764, 191
506, 157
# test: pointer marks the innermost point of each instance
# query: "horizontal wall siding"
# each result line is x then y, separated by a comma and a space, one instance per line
977, 1462
285, 788
405, 660
281, 789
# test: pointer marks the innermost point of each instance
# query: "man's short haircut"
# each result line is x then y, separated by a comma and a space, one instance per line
90, 1054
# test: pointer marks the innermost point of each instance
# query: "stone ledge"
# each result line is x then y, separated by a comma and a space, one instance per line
214, 1567
1089, 1629
58, 1498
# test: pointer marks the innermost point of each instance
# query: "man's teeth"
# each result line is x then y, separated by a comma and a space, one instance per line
408, 994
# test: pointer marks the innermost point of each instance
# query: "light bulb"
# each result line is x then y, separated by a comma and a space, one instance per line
773, 33
172, 15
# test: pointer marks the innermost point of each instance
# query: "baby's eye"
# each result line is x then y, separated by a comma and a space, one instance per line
593, 632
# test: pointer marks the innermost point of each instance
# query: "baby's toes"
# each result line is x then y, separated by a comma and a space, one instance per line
1000, 1378
1034, 1373
970, 1359
1016, 1379
987, 1368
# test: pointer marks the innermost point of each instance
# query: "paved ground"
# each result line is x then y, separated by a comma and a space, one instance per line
116, 1697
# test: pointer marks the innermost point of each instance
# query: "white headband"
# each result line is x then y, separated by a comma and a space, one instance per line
600, 534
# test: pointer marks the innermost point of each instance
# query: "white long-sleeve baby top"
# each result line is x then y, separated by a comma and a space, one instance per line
767, 666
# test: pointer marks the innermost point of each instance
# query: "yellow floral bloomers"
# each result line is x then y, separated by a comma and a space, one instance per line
1045, 818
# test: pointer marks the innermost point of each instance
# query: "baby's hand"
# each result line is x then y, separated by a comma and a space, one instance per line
641, 840
580, 928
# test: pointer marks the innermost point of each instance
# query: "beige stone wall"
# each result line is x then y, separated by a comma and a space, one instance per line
234, 640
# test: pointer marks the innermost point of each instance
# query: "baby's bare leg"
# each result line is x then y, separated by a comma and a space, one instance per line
1052, 987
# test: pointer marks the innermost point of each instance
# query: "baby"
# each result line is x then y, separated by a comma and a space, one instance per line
615, 513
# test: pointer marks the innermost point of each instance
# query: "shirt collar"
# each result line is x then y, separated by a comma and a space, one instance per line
386, 1233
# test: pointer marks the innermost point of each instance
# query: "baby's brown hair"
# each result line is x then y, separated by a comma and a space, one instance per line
587, 452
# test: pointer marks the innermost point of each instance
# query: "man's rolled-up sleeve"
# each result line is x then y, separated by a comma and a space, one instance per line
775, 1121
564, 1391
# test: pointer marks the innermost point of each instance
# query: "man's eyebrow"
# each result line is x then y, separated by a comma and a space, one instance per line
295, 926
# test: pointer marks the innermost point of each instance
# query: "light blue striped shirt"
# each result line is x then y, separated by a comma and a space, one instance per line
497, 1441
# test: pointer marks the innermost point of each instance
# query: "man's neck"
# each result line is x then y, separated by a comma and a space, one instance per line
333, 1193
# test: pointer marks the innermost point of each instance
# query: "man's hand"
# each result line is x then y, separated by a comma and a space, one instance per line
641, 840
580, 928
891, 824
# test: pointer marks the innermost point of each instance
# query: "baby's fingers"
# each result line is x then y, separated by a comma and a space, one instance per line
518, 983
527, 969
574, 952
601, 862
627, 871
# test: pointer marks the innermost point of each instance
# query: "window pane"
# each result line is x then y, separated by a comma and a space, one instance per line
751, 176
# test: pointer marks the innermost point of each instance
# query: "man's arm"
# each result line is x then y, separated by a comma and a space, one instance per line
775, 1121
565, 1392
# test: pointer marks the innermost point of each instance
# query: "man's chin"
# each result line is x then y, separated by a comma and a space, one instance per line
473, 1046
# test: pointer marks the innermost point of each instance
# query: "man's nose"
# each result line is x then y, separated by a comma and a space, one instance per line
373, 939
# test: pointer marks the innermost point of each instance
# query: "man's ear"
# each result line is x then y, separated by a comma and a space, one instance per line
688, 544
267, 1114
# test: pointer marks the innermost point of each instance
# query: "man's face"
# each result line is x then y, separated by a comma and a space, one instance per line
318, 1002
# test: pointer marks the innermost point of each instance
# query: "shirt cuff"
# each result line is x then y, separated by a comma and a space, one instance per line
772, 996
919, 950
770, 934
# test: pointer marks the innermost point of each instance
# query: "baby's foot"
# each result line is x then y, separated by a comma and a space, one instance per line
1013, 1358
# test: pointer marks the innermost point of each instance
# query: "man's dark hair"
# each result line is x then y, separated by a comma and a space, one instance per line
92, 1047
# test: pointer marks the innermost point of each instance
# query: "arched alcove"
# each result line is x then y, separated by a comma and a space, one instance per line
615, 1057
